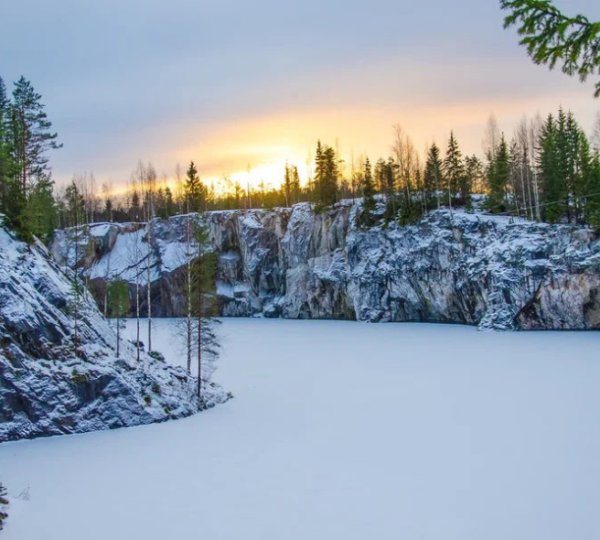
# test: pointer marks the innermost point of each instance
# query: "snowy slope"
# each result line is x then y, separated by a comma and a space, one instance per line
51, 383
341, 431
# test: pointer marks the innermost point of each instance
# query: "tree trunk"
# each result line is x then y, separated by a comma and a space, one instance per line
118, 334
200, 352
189, 298
149, 286
137, 312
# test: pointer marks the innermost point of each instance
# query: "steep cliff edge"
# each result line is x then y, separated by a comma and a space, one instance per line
55, 381
473, 269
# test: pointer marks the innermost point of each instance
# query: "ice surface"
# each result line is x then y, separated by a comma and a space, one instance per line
341, 431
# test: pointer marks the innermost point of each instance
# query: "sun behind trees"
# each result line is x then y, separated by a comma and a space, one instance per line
548, 171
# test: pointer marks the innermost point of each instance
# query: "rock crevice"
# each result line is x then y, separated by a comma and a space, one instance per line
494, 272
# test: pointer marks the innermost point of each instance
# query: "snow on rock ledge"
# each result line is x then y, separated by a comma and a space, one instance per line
452, 268
49, 386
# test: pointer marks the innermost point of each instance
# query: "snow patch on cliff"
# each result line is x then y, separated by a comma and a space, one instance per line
58, 367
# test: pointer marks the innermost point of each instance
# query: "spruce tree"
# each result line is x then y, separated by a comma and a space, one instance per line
388, 172
195, 192
135, 207
552, 170
296, 189
433, 180
74, 205
454, 168
474, 173
5, 164
287, 185
466, 183
118, 301
169, 205
379, 176
326, 176
40, 210
498, 178
581, 155
108, 209
365, 217
592, 207
203, 292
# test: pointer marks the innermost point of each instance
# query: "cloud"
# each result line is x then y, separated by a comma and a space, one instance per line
232, 82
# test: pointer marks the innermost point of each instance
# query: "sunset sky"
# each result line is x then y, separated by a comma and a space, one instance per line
233, 82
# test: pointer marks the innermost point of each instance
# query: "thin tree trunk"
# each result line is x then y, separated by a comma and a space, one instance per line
200, 349
118, 334
149, 286
189, 297
523, 190
137, 310
76, 336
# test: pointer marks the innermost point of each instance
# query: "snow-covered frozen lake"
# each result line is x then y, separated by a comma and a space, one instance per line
342, 431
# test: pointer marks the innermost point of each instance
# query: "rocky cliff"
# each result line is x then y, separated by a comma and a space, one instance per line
456, 267
58, 367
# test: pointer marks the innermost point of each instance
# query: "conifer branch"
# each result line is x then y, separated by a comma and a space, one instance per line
552, 37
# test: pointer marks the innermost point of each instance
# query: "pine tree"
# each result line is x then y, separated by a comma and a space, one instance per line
434, 179
30, 133
365, 216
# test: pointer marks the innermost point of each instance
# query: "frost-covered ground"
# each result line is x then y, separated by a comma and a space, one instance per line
341, 431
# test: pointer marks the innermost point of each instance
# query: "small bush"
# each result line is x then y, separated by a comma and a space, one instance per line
157, 356
156, 388
148, 399
78, 378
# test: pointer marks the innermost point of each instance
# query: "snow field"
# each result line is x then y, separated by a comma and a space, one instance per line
340, 430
